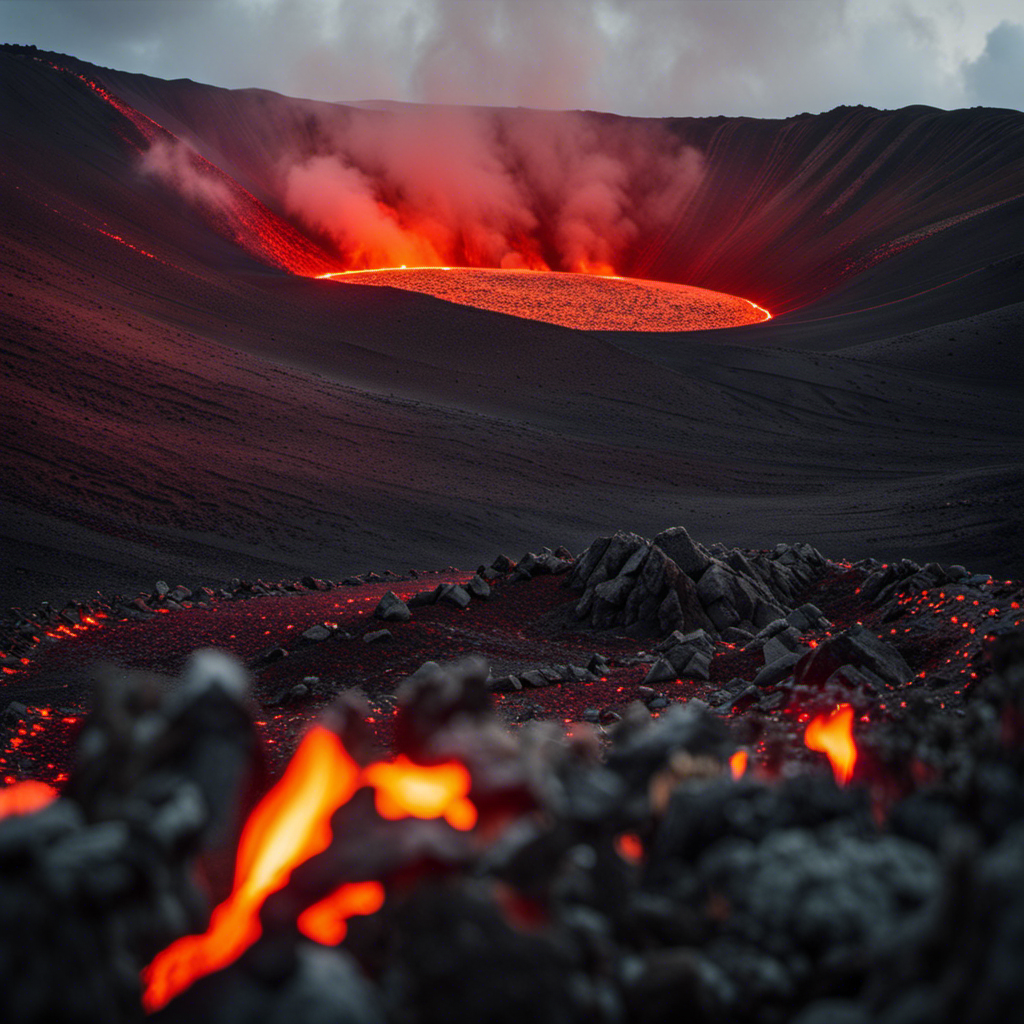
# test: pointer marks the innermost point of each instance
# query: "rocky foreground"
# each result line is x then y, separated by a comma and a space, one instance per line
650, 835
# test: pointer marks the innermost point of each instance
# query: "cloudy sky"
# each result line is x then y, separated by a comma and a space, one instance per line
765, 58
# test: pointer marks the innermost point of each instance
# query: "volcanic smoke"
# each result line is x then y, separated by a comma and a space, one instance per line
497, 188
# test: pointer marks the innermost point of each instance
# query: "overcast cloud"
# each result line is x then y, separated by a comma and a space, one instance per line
765, 58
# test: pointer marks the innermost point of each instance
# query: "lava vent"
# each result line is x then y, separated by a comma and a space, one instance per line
588, 302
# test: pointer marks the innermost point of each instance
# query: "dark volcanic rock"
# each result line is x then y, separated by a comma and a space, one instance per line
629, 582
690, 728
392, 609
323, 985
855, 646
777, 670
692, 558
662, 671
454, 594
317, 634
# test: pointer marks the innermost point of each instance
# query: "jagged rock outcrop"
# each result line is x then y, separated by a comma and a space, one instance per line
674, 584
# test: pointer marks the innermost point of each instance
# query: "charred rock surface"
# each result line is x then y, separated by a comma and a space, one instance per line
619, 885
95, 884
646, 827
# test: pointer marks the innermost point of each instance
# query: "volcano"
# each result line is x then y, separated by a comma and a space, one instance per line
186, 398
248, 337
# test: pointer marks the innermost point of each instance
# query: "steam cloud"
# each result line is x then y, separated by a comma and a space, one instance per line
498, 188
179, 166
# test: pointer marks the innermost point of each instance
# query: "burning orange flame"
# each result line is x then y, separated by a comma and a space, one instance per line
290, 825
738, 763
25, 798
832, 736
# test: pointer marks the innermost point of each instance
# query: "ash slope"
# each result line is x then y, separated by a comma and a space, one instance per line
175, 406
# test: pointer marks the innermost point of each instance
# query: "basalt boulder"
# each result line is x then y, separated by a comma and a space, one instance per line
856, 646
392, 609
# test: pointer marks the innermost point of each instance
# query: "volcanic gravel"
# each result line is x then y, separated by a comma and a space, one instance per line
943, 634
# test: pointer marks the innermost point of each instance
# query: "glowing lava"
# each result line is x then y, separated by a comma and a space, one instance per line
25, 798
738, 764
630, 847
405, 790
832, 735
326, 922
290, 825
593, 301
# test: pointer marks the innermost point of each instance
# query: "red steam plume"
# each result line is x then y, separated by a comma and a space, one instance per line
498, 188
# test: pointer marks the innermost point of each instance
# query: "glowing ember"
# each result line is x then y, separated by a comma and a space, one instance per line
738, 763
629, 847
592, 301
25, 798
832, 735
326, 922
292, 824
406, 790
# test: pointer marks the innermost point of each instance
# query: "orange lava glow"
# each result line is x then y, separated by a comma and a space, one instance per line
406, 790
326, 922
832, 735
25, 798
596, 300
290, 825
738, 764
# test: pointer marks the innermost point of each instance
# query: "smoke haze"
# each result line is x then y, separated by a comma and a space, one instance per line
771, 58
181, 168
489, 188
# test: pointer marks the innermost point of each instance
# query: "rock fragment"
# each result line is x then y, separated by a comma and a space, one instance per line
392, 609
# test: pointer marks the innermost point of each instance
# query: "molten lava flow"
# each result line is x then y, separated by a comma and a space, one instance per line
738, 763
25, 798
597, 300
832, 735
288, 826
292, 824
